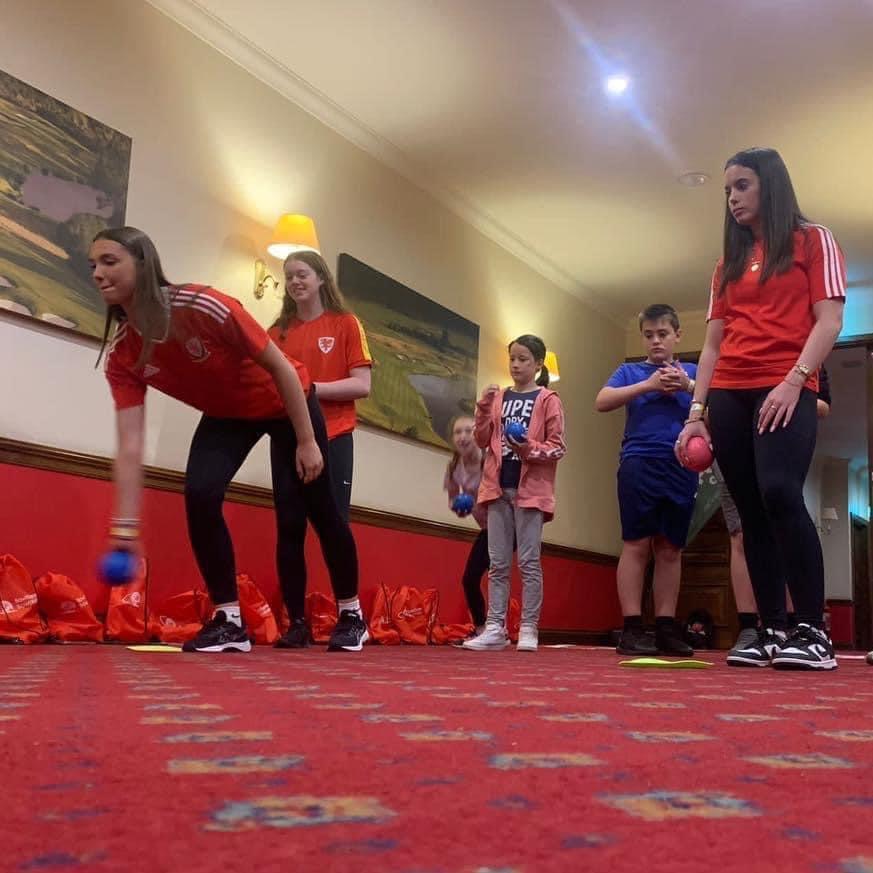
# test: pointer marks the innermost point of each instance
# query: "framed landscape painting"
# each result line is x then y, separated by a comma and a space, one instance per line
63, 177
425, 357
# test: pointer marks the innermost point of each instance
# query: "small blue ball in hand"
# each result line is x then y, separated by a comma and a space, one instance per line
463, 504
515, 430
118, 567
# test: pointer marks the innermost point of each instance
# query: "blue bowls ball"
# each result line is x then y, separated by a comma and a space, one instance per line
463, 503
118, 567
516, 430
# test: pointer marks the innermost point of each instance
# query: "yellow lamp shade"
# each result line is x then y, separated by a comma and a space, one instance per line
293, 233
551, 364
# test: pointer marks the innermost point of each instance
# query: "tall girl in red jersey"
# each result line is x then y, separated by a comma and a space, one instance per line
202, 347
776, 309
315, 327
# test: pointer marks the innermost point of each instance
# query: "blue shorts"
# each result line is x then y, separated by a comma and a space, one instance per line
655, 498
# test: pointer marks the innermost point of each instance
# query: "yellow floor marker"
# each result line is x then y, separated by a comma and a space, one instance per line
155, 648
685, 664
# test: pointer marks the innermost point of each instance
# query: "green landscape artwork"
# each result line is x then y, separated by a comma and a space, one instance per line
63, 177
425, 357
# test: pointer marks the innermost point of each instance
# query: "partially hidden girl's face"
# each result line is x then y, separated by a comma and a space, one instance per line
742, 187
113, 269
523, 366
462, 435
302, 283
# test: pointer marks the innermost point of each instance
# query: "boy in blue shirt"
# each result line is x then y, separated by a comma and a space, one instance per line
655, 494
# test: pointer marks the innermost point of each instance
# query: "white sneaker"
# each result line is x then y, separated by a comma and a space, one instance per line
493, 638
528, 639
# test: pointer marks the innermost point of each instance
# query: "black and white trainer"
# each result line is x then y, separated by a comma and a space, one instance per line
350, 633
298, 636
219, 635
807, 648
760, 652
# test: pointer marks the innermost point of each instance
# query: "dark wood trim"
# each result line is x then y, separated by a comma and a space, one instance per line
850, 342
56, 460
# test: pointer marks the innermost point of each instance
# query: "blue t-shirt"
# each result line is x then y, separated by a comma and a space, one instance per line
517, 406
653, 419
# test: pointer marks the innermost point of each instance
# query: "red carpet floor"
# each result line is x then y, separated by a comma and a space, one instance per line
428, 761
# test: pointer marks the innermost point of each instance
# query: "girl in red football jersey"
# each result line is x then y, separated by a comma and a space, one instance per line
202, 347
776, 309
315, 327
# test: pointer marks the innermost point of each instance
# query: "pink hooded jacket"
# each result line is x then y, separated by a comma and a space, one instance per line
539, 454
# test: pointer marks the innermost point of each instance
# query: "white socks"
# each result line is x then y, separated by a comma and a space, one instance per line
231, 611
352, 605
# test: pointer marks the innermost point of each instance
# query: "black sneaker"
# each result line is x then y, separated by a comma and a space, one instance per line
296, 637
636, 642
669, 642
219, 635
758, 653
350, 633
807, 648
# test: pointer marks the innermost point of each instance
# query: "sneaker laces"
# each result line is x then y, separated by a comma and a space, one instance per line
215, 621
805, 633
348, 618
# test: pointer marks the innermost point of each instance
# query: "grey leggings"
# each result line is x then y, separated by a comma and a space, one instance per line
507, 524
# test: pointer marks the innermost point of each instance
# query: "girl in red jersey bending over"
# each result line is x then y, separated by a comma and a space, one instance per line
202, 347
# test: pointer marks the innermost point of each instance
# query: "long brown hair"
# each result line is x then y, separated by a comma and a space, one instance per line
456, 457
780, 217
149, 302
329, 292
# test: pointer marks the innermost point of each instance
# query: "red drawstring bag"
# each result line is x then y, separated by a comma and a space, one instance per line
65, 607
413, 612
180, 617
382, 628
321, 615
256, 613
445, 634
127, 612
20, 621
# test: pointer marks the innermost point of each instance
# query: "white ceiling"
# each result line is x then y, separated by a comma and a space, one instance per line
496, 106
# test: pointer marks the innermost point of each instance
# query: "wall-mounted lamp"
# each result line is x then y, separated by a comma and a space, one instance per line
262, 279
293, 233
551, 364
828, 515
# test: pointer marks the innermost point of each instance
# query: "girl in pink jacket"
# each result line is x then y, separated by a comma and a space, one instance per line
461, 482
522, 430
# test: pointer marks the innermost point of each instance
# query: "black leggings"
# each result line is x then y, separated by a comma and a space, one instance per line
219, 447
342, 462
765, 475
477, 565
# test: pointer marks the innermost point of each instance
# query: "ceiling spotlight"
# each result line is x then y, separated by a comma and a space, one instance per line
693, 179
617, 84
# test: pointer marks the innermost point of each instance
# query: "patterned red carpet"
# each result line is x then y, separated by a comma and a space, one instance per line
423, 760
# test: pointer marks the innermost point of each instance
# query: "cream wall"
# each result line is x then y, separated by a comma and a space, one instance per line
217, 156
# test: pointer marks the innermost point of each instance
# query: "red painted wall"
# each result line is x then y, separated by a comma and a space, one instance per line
57, 522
